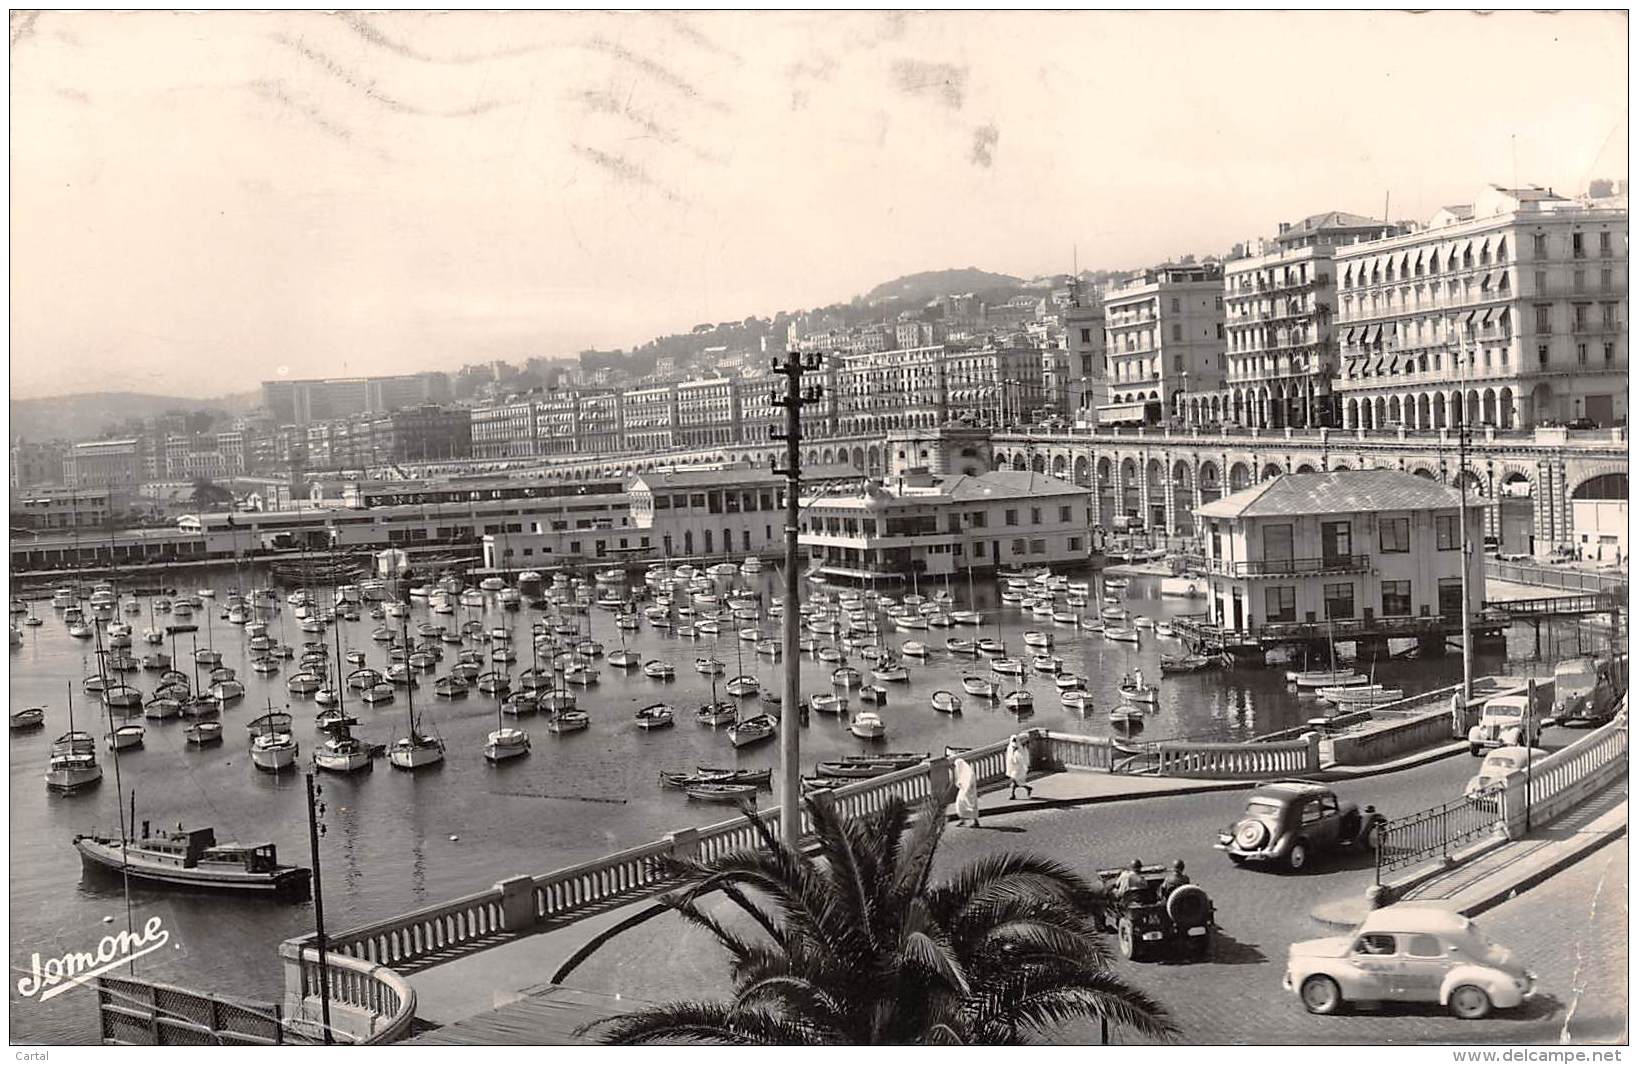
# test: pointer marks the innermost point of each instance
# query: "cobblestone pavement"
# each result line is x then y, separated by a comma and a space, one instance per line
1236, 997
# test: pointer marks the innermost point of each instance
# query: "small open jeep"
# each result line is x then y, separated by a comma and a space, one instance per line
1147, 924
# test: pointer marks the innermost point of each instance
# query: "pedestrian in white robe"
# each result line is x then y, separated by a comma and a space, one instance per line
966, 801
1018, 767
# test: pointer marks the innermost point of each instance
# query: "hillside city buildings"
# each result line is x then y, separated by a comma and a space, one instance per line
1508, 313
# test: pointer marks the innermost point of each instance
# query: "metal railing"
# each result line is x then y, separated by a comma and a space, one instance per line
1438, 831
1282, 567
134, 1012
1569, 578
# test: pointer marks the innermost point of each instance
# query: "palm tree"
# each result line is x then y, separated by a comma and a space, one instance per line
853, 944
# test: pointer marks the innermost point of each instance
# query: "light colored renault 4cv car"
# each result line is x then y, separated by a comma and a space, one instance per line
1409, 954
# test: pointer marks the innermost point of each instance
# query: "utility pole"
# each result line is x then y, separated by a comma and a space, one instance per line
1461, 484
314, 830
790, 737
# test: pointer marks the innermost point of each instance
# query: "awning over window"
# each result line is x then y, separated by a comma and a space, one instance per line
1465, 318
1488, 316
1373, 334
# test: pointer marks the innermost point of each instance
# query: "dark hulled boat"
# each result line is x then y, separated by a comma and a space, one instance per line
191, 858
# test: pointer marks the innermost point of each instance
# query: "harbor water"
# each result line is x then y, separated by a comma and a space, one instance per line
397, 840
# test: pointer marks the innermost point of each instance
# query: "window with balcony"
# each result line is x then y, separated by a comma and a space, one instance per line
1541, 354
1581, 354
1336, 540
1281, 604
1580, 311
1544, 318
1609, 354
1540, 246
1339, 601
1446, 532
1578, 248
1396, 599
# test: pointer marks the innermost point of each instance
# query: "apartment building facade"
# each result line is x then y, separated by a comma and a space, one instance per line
1163, 342
1509, 312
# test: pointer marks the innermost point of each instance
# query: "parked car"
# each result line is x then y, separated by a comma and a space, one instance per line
1497, 765
1505, 721
1580, 423
1286, 821
1150, 922
1409, 954
1583, 692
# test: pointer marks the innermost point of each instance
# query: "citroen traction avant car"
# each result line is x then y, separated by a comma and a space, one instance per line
1496, 767
1409, 954
1287, 821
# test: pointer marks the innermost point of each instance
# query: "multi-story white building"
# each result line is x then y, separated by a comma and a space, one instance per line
1379, 549
733, 510
601, 424
649, 418
504, 431
557, 424
1279, 316
114, 464
1512, 308
1163, 340
1085, 388
707, 412
925, 525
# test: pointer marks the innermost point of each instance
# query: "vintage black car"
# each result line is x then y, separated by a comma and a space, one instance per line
1286, 821
1151, 922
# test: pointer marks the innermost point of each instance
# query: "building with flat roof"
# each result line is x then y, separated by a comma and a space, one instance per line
312, 400
1511, 309
929, 526
1378, 549
729, 510
1163, 341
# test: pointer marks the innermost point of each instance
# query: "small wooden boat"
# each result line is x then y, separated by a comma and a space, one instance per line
566, 721
520, 704
892, 672
1325, 678
656, 716
1067, 682
378, 693
1361, 695
1019, 701
913, 649
743, 686
1076, 699
714, 714
720, 793
1165, 630
1146, 694
1037, 638
984, 687
1120, 635
450, 688
846, 677
868, 725
1186, 663
31, 718
126, 737
826, 703
655, 669
957, 646
864, 766
992, 647
709, 667
1007, 667
203, 733
506, 743
1049, 664
874, 694
1126, 717
751, 730
946, 702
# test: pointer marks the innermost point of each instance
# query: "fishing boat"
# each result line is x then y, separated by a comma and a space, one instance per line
1007, 667
1133, 690
584, 676
946, 702
566, 721
418, 748
1143, 621
1120, 635
846, 677
867, 725
1075, 699
756, 729
555, 700
1019, 701
656, 716
957, 646
720, 793
709, 667
203, 733
1325, 678
227, 691
1049, 664
983, 687
1069, 682
1165, 630
382, 691
304, 683
342, 752
826, 703
493, 682
451, 687
1359, 695
73, 760
874, 694
991, 647
121, 697
655, 669
126, 737
1124, 716
715, 713
273, 744
862, 767
890, 671
192, 859
1186, 663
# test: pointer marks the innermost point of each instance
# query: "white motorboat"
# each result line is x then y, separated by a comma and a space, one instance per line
273, 745
867, 725
946, 702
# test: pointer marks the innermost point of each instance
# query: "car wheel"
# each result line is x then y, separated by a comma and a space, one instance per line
1474, 749
1470, 1003
1321, 995
1126, 939
1296, 857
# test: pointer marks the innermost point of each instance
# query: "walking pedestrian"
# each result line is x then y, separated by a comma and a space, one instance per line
1458, 716
966, 801
1018, 768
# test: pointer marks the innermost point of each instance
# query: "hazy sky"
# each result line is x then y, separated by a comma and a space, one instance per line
202, 201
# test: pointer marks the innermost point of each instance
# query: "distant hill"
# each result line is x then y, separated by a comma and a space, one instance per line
917, 289
84, 416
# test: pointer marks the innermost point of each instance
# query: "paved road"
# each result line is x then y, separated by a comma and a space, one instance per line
1236, 997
